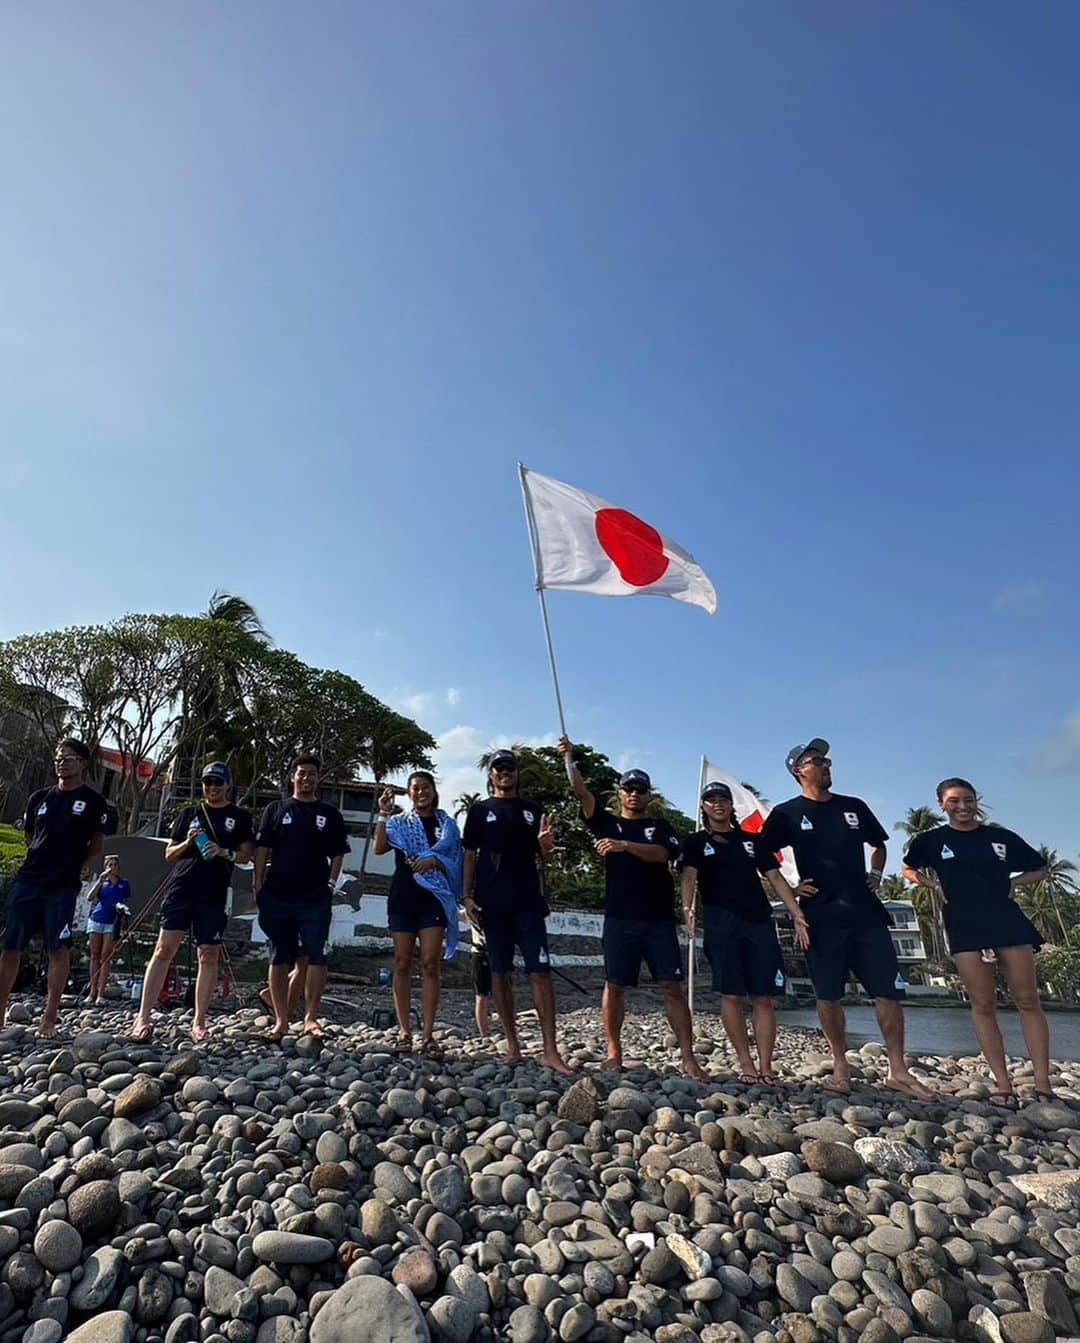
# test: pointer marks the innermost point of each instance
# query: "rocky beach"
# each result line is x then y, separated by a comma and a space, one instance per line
332, 1190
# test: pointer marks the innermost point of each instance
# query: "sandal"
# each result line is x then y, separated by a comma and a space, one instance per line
141, 1034
431, 1049
1047, 1097
1004, 1100
200, 1034
751, 1079
403, 1044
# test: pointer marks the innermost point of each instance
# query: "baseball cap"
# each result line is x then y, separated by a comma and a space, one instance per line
217, 769
635, 776
817, 744
716, 789
503, 760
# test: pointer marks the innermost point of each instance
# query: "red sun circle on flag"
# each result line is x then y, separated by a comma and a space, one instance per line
636, 548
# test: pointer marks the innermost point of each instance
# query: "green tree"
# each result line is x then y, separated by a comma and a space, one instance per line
464, 802
927, 902
1051, 905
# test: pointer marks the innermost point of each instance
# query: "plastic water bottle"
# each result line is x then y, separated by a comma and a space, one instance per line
384, 974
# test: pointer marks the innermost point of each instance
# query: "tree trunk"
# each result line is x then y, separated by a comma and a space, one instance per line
367, 837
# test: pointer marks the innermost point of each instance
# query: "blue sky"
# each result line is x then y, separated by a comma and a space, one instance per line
287, 292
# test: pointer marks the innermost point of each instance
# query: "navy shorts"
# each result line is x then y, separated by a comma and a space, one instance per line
208, 921
744, 955
413, 912
481, 973
35, 911
628, 942
525, 929
296, 928
863, 949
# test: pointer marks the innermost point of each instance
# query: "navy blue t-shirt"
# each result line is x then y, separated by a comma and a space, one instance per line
504, 832
60, 824
634, 888
727, 868
303, 838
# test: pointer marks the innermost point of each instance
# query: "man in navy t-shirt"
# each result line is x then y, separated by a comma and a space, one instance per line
65, 830
848, 924
504, 840
639, 907
299, 848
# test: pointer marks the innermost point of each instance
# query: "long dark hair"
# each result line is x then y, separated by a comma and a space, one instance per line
944, 786
423, 774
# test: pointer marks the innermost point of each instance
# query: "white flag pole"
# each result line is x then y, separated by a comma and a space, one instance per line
692, 939
534, 543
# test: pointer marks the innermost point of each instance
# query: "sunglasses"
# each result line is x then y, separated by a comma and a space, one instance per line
817, 760
213, 783
634, 788
505, 769
67, 760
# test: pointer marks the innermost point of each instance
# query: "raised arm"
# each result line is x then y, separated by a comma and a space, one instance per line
577, 783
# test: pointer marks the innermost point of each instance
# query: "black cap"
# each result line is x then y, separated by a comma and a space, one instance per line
635, 776
796, 753
716, 789
503, 760
217, 769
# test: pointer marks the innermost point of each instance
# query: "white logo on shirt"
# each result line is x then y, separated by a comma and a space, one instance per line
779, 980
805, 823
748, 845
287, 819
999, 849
543, 957
230, 822
104, 818
650, 830
65, 933
43, 809
852, 819
77, 808
491, 816
946, 852
708, 851
529, 817
899, 982
320, 822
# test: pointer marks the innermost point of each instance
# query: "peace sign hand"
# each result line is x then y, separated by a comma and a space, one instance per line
546, 834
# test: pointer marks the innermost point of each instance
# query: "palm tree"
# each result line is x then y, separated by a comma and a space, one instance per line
397, 743
926, 900
1043, 902
464, 802
235, 611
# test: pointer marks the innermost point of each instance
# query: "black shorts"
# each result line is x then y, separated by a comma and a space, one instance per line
36, 911
481, 973
414, 911
995, 923
744, 955
525, 929
863, 949
296, 928
628, 942
179, 912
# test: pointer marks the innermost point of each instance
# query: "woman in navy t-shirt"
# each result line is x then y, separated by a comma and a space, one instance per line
977, 869
108, 893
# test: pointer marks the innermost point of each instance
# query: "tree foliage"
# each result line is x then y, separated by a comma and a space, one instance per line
171, 691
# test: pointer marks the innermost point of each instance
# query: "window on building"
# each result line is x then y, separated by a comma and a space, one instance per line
357, 799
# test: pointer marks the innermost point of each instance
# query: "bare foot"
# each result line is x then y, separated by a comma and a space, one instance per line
312, 1027
510, 1059
556, 1063
612, 1064
909, 1086
692, 1068
839, 1083
46, 1029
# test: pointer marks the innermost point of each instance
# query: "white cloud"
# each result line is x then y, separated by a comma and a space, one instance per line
1060, 754
1027, 592
461, 747
420, 703
452, 696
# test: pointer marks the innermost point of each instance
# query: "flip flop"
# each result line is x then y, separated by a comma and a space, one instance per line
837, 1088
1004, 1100
431, 1049
403, 1044
141, 1034
1047, 1097
316, 1029
200, 1034
751, 1079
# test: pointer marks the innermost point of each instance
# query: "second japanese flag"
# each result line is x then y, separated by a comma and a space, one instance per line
585, 544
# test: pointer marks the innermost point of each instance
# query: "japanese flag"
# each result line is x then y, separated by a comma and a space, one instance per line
750, 812
583, 543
